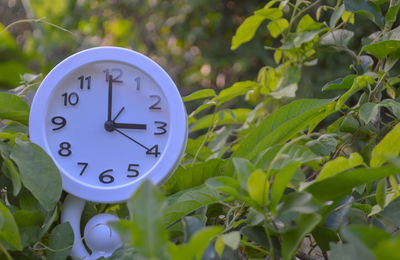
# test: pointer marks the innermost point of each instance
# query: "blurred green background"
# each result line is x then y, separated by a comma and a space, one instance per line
190, 39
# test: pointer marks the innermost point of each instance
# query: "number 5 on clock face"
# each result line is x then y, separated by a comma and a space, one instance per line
110, 120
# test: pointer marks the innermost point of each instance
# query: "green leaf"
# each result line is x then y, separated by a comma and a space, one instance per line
269, 13
365, 8
38, 173
385, 149
339, 164
258, 187
336, 16
324, 145
280, 126
387, 249
238, 89
292, 238
246, 30
341, 184
11, 71
276, 27
232, 239
196, 246
358, 84
29, 224
388, 43
233, 116
298, 202
14, 108
340, 83
368, 112
11, 171
184, 202
391, 14
200, 94
307, 24
281, 180
149, 236
9, 231
363, 237
339, 37
281, 155
381, 193
243, 169
191, 176
61, 241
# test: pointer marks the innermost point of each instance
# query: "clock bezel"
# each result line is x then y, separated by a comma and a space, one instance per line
175, 145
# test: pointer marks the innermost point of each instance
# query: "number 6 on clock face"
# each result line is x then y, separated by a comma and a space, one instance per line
110, 118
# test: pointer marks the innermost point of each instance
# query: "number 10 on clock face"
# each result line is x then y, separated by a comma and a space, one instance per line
107, 123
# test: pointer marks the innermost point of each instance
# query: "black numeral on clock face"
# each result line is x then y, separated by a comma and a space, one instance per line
155, 105
85, 165
137, 80
59, 121
115, 73
134, 172
82, 80
106, 178
71, 98
161, 127
153, 151
65, 149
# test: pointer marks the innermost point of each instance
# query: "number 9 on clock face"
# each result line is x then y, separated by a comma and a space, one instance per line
110, 118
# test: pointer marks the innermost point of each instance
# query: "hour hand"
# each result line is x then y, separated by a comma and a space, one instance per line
130, 126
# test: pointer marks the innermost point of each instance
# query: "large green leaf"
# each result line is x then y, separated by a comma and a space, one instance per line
184, 202
61, 241
339, 164
193, 175
281, 126
388, 43
258, 187
278, 156
9, 231
293, 237
238, 89
341, 184
228, 116
204, 93
340, 83
29, 224
14, 108
38, 173
195, 247
149, 236
281, 180
385, 149
248, 28
366, 8
359, 83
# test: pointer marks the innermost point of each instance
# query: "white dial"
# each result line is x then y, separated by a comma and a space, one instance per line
109, 117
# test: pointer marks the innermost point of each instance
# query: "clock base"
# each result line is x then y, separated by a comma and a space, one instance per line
101, 239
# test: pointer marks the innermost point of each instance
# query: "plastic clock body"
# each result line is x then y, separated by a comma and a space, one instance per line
109, 117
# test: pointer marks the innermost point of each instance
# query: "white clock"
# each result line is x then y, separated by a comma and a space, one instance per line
109, 117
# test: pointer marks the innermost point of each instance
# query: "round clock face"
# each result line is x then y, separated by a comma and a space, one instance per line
110, 118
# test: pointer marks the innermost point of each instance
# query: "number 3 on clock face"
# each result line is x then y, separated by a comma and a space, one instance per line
110, 118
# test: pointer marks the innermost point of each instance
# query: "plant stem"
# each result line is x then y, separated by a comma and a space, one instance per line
256, 248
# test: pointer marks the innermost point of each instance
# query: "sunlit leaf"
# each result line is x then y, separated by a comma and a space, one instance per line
385, 149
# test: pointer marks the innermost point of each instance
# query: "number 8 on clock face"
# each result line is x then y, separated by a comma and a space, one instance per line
110, 118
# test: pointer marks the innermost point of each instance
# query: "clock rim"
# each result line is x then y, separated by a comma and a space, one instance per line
178, 129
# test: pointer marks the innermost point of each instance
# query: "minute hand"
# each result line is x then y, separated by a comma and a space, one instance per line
130, 126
